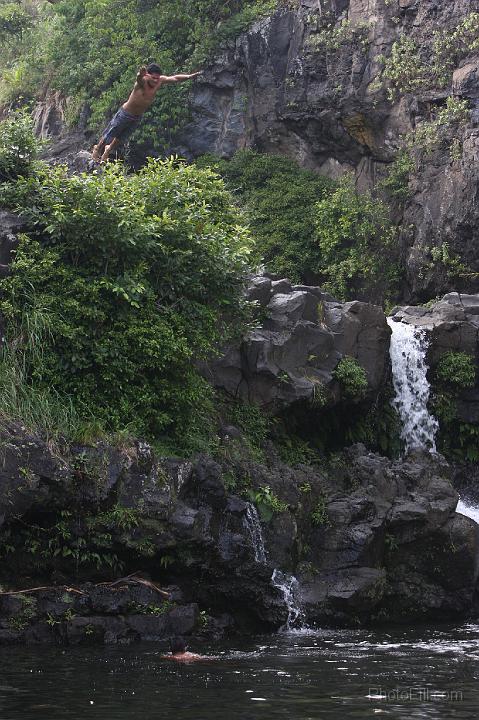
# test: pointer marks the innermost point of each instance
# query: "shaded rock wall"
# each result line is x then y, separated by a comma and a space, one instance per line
292, 355
386, 544
280, 91
290, 86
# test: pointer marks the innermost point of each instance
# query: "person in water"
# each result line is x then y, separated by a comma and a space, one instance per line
148, 81
180, 652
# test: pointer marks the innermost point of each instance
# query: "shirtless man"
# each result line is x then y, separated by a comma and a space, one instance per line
148, 81
180, 653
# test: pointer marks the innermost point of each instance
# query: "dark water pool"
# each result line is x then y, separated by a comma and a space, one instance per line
418, 673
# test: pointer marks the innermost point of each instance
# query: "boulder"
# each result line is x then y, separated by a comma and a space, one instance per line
304, 334
392, 548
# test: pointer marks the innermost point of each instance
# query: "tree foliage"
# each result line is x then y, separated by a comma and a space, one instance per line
135, 279
311, 229
278, 197
355, 255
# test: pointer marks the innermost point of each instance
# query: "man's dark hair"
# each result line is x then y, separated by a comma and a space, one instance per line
153, 69
177, 645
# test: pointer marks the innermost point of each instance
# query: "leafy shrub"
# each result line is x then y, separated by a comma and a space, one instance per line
13, 21
18, 147
267, 502
450, 46
352, 378
313, 230
454, 373
457, 369
319, 516
278, 197
138, 277
396, 183
403, 69
409, 68
331, 37
428, 135
355, 253
252, 420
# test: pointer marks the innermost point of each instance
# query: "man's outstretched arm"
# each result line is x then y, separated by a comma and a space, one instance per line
180, 77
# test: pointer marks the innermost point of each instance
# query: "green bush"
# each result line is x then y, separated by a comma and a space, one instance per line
352, 378
320, 516
278, 197
312, 230
457, 369
454, 374
396, 182
13, 21
132, 280
355, 253
18, 147
267, 502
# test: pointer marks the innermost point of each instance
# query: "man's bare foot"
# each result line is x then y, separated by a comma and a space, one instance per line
108, 150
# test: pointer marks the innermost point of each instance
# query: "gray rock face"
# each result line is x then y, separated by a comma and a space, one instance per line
289, 86
282, 89
373, 556
304, 335
180, 510
386, 543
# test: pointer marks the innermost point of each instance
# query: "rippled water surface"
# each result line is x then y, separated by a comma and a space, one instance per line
419, 673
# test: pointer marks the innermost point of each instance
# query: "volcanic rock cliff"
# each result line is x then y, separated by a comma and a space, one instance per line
308, 83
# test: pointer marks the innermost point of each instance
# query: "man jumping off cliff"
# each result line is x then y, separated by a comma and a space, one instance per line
148, 81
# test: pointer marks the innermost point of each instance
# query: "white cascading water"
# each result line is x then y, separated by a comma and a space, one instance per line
285, 583
289, 587
253, 525
464, 508
408, 359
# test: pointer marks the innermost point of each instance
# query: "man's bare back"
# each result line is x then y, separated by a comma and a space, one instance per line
148, 82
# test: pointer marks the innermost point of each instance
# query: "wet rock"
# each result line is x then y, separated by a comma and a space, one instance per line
293, 355
180, 621
389, 549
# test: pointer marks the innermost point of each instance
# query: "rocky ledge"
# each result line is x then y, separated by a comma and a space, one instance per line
303, 335
100, 544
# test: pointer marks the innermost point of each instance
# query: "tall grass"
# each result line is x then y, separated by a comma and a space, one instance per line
40, 410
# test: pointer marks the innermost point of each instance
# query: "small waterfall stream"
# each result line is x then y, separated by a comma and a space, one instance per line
253, 525
289, 587
408, 359
285, 583
464, 508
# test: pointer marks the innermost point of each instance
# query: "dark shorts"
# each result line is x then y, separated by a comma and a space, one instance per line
121, 126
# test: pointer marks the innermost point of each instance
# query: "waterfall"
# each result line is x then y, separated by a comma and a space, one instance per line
408, 358
289, 587
253, 525
285, 583
470, 511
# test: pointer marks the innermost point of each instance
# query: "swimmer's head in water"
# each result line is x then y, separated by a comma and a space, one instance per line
177, 645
